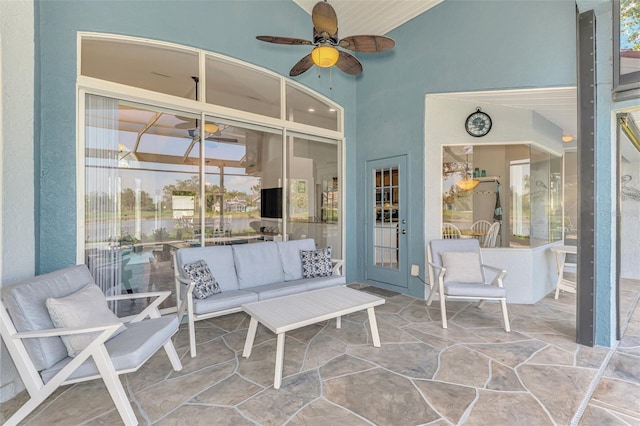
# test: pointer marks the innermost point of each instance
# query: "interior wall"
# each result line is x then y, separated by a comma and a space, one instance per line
17, 238
444, 119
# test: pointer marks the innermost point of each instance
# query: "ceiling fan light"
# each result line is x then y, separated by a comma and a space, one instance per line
210, 127
325, 56
467, 184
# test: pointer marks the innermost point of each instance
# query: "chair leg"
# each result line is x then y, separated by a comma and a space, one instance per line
443, 311
112, 382
192, 337
432, 292
505, 316
192, 325
173, 355
33, 402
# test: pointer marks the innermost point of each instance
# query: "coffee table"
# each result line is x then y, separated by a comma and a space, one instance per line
288, 313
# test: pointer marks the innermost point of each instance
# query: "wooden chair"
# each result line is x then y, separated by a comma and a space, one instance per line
460, 273
42, 357
480, 229
450, 231
492, 235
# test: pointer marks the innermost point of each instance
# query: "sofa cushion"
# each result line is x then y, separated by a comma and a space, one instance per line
205, 283
25, 302
85, 308
257, 264
128, 350
290, 256
316, 263
223, 301
319, 282
269, 291
218, 258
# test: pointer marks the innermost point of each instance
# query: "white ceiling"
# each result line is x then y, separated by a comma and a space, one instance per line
372, 17
556, 104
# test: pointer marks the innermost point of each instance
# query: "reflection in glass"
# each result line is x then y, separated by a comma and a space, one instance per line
520, 180
627, 42
227, 86
386, 211
304, 108
313, 192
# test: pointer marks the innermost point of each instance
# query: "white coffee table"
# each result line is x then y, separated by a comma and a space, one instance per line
288, 313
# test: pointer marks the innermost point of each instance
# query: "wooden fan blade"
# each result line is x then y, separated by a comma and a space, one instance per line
183, 118
349, 63
284, 40
302, 65
187, 125
367, 43
324, 18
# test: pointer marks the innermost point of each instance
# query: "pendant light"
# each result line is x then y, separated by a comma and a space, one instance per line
466, 183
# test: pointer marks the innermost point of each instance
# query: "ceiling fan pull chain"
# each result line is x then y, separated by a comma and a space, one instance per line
330, 78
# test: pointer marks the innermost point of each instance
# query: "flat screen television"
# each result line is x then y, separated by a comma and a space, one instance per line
271, 203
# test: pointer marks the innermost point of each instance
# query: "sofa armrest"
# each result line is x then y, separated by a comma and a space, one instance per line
337, 266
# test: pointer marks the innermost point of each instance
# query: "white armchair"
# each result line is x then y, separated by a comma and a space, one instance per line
457, 272
45, 362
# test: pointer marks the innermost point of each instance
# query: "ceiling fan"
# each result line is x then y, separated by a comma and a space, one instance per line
325, 38
192, 124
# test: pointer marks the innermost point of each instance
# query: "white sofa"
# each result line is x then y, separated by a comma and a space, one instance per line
245, 273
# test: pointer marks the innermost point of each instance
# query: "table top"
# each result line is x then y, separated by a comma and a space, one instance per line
286, 313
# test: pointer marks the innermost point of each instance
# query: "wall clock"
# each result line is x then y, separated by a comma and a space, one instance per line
478, 123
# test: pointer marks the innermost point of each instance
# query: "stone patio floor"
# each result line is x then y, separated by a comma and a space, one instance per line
472, 373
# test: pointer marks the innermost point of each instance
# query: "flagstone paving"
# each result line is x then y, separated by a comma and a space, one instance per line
473, 373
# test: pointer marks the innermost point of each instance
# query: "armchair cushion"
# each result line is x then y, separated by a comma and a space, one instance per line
25, 301
200, 273
316, 263
462, 267
474, 290
128, 350
85, 308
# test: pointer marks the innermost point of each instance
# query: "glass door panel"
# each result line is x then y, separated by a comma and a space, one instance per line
387, 221
313, 200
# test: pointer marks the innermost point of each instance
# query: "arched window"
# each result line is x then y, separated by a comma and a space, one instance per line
183, 147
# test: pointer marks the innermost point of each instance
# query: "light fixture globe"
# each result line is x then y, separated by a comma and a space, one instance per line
467, 184
210, 127
325, 56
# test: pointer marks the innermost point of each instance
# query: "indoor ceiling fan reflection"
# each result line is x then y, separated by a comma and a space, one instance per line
193, 124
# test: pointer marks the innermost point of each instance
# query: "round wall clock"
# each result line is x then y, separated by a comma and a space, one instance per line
478, 123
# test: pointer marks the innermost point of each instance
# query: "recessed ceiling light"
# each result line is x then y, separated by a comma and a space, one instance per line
311, 110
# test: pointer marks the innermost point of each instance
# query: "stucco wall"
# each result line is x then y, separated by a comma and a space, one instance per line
460, 45
17, 243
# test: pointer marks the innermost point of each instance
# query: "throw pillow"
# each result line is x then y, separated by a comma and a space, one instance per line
84, 308
462, 267
206, 285
316, 263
